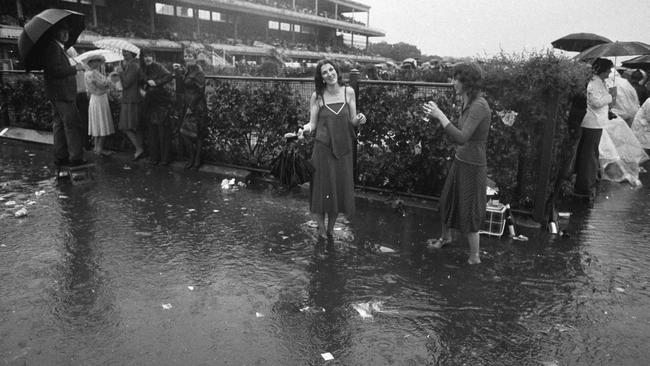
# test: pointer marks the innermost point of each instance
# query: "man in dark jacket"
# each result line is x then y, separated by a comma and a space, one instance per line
61, 90
157, 107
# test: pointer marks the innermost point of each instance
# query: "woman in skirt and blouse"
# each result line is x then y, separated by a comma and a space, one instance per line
463, 198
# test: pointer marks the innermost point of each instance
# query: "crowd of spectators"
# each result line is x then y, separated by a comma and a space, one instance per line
306, 10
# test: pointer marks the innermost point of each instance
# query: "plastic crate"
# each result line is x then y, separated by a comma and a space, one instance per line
495, 220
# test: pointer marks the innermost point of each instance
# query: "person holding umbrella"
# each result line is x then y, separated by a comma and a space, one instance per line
598, 99
100, 120
61, 89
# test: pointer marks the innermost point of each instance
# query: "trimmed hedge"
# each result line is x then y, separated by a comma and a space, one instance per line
397, 150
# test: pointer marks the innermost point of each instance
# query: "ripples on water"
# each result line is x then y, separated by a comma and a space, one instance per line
86, 273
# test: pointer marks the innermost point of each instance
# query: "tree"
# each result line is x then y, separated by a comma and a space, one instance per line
397, 51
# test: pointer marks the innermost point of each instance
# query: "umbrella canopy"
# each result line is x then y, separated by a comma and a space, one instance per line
117, 45
615, 49
578, 42
641, 62
109, 56
33, 37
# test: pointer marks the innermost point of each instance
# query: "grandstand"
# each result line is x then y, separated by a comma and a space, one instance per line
229, 31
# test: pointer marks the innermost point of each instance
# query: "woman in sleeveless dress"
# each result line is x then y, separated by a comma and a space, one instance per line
100, 120
332, 116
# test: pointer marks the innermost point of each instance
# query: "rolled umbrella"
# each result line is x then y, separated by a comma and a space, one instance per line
578, 42
36, 33
117, 45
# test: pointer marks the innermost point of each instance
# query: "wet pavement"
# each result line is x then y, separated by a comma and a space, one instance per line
157, 266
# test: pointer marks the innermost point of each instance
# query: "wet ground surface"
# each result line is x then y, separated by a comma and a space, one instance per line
155, 266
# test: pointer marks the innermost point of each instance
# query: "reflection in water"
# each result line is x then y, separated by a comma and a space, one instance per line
84, 279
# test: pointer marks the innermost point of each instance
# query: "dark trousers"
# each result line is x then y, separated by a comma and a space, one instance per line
160, 141
82, 106
587, 164
68, 131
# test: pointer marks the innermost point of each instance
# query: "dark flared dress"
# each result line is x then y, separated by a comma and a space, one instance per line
332, 187
463, 197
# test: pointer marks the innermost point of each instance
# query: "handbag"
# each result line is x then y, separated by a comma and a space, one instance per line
190, 124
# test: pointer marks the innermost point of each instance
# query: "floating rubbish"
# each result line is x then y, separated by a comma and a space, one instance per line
312, 309
564, 215
284, 237
39, 193
365, 309
384, 249
549, 363
215, 210
191, 210
312, 223
21, 213
63, 197
31, 155
228, 184
241, 184
520, 237
620, 289
259, 315
166, 306
191, 288
29, 203
126, 167
327, 356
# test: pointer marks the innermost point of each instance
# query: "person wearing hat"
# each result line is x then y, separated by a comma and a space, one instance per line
100, 120
156, 108
61, 89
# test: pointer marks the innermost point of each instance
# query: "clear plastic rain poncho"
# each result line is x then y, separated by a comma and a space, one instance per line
620, 150
641, 124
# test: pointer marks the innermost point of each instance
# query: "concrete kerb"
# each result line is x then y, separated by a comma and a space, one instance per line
15, 135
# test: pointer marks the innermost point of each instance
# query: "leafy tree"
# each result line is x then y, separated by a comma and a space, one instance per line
397, 51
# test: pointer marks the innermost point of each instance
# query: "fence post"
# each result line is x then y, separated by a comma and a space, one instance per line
354, 83
543, 179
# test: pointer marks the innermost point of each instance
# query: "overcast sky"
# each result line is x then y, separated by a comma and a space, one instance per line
479, 27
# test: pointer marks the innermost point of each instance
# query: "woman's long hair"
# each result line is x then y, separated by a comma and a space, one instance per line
318, 77
470, 75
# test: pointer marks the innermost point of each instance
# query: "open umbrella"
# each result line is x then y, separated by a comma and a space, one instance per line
614, 49
116, 45
641, 62
578, 42
109, 56
33, 37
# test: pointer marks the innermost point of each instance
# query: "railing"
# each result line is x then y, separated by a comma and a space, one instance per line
396, 152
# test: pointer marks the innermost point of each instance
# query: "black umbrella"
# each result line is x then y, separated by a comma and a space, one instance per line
641, 62
290, 167
578, 42
32, 39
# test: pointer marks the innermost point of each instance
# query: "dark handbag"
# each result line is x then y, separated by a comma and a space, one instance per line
190, 124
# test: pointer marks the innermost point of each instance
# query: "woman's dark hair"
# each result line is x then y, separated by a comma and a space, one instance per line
318, 77
601, 65
470, 75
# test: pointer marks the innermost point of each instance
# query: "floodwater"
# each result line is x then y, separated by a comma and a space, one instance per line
155, 266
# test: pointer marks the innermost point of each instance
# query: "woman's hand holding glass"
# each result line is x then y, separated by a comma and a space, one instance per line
431, 110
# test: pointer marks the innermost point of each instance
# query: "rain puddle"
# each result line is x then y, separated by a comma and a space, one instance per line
149, 265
